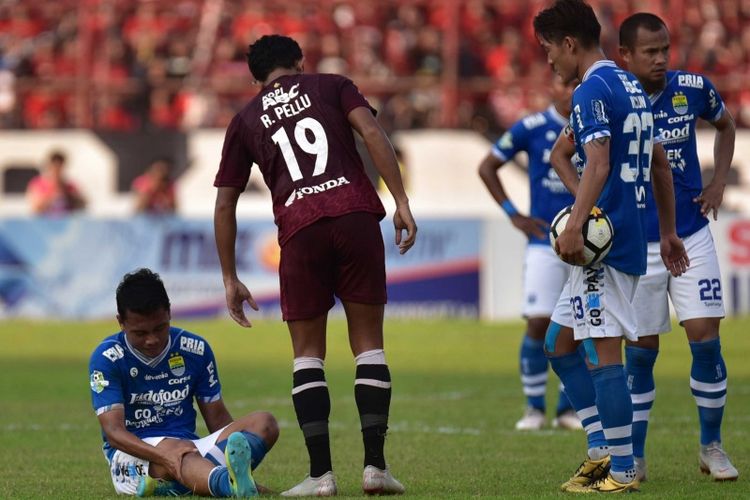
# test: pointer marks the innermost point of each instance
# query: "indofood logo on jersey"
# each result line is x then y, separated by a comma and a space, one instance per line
278, 96
680, 103
300, 193
176, 365
160, 397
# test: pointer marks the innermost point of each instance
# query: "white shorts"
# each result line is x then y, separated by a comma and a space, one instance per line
126, 470
695, 294
543, 280
597, 302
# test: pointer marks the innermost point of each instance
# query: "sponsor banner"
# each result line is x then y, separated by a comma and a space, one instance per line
69, 267
732, 237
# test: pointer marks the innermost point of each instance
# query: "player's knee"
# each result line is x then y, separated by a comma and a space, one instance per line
263, 424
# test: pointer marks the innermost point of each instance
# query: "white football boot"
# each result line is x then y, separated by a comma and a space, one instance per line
567, 420
532, 420
323, 486
380, 482
714, 460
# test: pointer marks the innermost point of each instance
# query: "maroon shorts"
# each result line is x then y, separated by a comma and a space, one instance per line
342, 256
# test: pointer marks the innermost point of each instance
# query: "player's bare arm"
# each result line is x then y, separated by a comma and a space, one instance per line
384, 159
672, 250
488, 172
569, 244
113, 426
713, 194
560, 159
225, 232
215, 414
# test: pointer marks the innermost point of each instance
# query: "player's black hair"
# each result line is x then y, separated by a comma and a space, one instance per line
141, 292
270, 52
573, 18
57, 156
645, 20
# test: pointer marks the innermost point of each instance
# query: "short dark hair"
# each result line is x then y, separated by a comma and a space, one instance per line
270, 52
629, 27
141, 292
573, 18
57, 156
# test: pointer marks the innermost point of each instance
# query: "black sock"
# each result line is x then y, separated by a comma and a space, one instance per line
312, 404
372, 392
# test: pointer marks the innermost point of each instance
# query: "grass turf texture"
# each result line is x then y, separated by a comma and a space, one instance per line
456, 398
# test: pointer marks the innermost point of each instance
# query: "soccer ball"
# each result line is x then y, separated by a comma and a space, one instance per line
597, 233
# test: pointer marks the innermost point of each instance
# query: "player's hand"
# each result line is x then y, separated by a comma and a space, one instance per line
710, 199
237, 294
531, 226
173, 459
403, 220
673, 255
569, 246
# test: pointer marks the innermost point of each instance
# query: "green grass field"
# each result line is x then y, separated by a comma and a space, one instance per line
456, 398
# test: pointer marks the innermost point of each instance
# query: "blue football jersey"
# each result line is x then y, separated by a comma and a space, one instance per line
685, 98
536, 134
610, 102
157, 396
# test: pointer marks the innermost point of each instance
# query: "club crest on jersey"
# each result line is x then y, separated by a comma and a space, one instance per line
278, 96
98, 382
506, 141
176, 365
680, 103
600, 114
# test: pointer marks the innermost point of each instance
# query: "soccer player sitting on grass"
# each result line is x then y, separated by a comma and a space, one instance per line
143, 381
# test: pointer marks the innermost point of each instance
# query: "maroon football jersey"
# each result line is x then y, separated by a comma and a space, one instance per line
296, 130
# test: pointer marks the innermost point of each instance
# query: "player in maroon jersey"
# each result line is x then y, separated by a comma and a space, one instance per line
299, 131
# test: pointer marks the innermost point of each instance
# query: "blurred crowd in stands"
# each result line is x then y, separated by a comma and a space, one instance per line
130, 65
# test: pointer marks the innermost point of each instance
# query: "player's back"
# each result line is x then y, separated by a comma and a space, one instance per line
611, 103
296, 129
686, 98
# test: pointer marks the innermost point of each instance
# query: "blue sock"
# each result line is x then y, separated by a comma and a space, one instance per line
580, 391
218, 482
616, 413
563, 403
533, 365
708, 382
258, 448
640, 370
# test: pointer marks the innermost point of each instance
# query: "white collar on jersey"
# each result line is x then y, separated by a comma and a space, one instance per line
598, 64
146, 360
562, 120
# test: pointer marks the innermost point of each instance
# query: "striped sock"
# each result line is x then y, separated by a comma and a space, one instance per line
580, 391
708, 382
616, 413
312, 404
533, 367
640, 370
372, 392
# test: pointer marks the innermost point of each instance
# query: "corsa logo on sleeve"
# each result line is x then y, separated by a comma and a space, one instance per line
176, 365
98, 382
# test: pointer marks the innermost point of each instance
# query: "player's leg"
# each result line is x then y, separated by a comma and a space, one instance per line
652, 305
533, 370
306, 278
602, 299
360, 284
562, 350
697, 297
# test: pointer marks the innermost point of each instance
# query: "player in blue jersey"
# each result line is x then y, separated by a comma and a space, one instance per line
143, 383
544, 273
679, 99
613, 129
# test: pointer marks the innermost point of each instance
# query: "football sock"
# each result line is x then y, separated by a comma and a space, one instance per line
563, 403
616, 413
312, 404
580, 391
533, 367
258, 449
372, 392
218, 482
708, 382
639, 365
